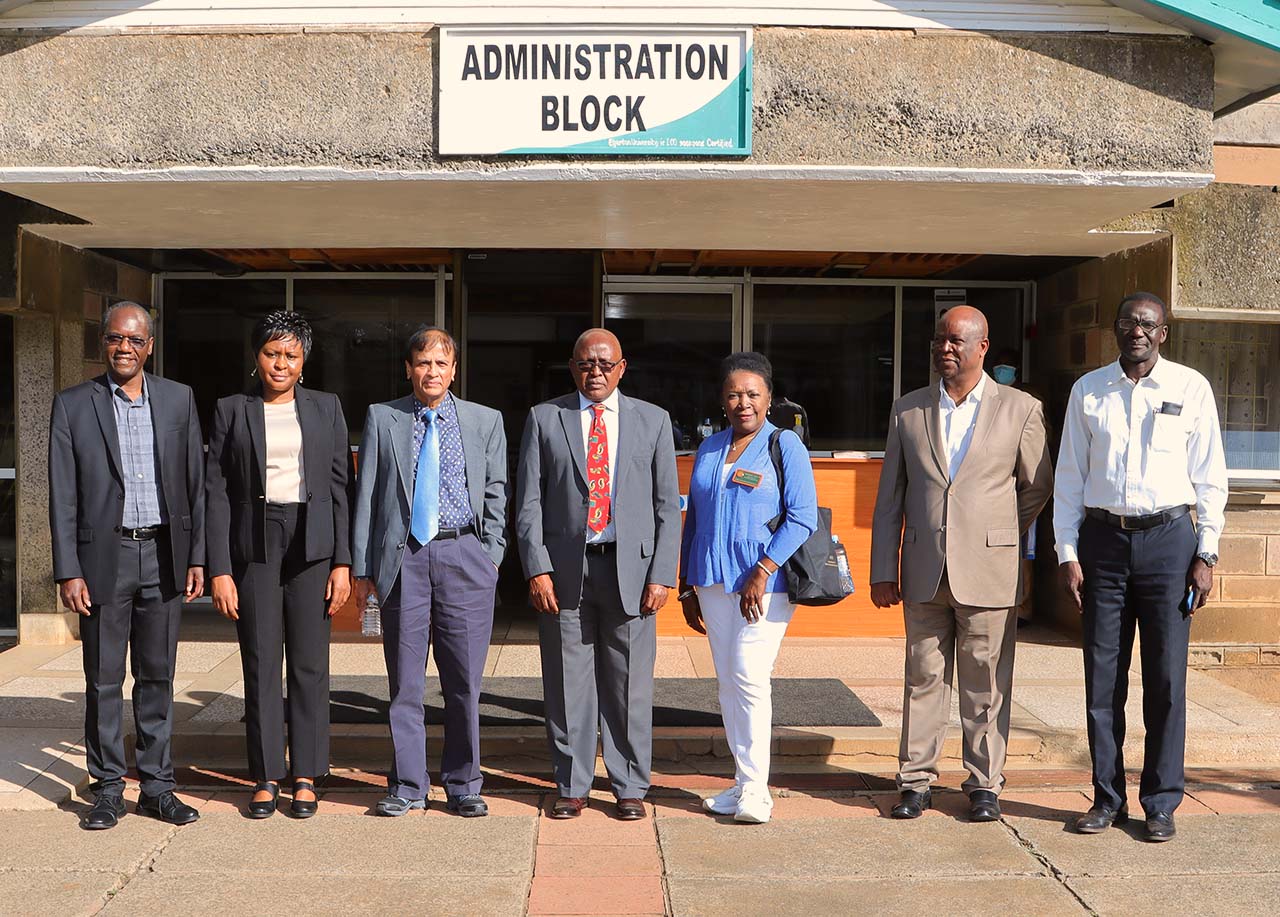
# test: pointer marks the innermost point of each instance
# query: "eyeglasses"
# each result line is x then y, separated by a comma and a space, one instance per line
1148, 327
115, 340
605, 366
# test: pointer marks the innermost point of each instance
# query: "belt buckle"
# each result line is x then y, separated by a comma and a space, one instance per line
135, 536
1125, 526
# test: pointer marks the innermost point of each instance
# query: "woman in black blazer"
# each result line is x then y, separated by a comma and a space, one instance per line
278, 553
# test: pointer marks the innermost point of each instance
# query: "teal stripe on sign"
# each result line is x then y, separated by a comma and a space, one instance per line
731, 107
1255, 20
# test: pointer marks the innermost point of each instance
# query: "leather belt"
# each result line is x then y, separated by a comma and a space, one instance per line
602, 547
447, 534
1136, 523
145, 533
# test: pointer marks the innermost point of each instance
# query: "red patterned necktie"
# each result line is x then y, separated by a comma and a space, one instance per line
598, 472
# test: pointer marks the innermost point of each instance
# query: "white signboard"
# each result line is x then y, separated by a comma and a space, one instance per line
588, 90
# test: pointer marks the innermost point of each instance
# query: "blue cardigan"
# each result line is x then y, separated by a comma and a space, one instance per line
726, 526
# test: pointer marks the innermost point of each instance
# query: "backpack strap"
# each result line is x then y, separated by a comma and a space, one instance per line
775, 455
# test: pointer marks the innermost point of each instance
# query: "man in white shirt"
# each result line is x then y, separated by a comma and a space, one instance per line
966, 471
1141, 445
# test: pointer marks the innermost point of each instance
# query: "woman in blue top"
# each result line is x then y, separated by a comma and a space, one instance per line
730, 559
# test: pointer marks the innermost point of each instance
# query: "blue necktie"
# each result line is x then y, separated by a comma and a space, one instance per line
425, 518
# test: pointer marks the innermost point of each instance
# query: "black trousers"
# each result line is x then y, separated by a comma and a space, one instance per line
1137, 580
142, 616
282, 606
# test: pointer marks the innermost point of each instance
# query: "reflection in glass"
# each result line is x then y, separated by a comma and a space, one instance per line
7, 445
8, 555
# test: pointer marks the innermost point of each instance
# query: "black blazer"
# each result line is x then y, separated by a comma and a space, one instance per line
236, 480
86, 483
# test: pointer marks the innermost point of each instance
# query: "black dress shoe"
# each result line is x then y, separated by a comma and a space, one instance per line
267, 807
984, 805
105, 813
1160, 827
168, 808
471, 805
1100, 818
912, 804
630, 809
303, 808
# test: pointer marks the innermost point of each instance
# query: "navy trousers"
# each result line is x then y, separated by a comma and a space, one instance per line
1137, 580
442, 598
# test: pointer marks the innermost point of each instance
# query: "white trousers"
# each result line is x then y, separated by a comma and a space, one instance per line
744, 654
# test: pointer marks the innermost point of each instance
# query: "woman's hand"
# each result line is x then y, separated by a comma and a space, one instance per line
338, 589
691, 608
751, 596
226, 599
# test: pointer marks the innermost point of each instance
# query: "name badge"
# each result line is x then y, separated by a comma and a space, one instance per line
746, 478
1169, 407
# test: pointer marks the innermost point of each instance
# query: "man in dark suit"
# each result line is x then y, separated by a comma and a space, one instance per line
598, 524
126, 508
427, 535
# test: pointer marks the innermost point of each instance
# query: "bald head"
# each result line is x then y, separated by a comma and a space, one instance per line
593, 336
597, 366
959, 346
964, 318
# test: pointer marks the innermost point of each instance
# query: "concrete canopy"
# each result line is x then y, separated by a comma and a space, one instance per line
587, 206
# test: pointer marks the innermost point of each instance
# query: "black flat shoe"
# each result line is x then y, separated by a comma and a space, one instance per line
105, 813
168, 808
1100, 818
303, 808
471, 805
984, 805
912, 804
1160, 827
267, 807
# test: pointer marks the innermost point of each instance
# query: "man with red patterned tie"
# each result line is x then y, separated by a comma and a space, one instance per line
598, 525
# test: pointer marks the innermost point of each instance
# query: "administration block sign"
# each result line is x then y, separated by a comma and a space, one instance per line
609, 91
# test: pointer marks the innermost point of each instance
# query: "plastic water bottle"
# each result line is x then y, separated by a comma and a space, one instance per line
842, 561
705, 430
371, 620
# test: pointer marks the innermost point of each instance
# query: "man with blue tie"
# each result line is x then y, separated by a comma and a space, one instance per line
427, 536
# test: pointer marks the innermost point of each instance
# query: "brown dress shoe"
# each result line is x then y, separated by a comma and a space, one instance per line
630, 809
568, 807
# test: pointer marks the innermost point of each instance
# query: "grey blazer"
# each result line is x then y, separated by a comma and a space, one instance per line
551, 499
384, 486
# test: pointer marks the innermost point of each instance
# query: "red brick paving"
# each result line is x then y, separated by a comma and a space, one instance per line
595, 896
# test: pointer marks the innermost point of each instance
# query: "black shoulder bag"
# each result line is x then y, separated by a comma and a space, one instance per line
818, 572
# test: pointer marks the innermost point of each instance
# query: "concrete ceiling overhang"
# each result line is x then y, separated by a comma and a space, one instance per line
614, 206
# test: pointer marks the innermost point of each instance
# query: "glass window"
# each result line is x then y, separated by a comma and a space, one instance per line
832, 353
1241, 360
674, 342
207, 324
921, 307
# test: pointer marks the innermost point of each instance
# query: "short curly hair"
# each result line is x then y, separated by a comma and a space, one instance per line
278, 325
747, 361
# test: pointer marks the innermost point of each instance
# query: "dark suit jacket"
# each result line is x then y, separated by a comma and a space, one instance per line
86, 483
236, 476
552, 498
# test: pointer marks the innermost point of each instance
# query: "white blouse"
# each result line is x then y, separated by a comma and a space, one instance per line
284, 454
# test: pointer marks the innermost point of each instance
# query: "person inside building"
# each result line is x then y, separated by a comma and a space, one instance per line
741, 526
1141, 447
966, 471
598, 525
428, 534
279, 553
126, 515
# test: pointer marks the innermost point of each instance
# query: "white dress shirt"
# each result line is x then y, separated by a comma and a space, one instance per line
958, 421
1137, 448
285, 474
585, 405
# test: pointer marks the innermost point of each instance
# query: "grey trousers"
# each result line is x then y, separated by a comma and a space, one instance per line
597, 674
142, 616
442, 598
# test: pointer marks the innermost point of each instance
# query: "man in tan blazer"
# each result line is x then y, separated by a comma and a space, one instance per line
966, 470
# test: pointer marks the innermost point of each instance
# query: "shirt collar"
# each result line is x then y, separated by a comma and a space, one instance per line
974, 396
610, 403
118, 392
1159, 373
446, 411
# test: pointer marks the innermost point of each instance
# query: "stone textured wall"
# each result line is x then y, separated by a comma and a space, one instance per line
822, 96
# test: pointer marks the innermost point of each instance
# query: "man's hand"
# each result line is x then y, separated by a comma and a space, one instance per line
655, 596
1200, 575
363, 588
195, 584
226, 598
75, 595
1071, 574
338, 589
542, 595
885, 595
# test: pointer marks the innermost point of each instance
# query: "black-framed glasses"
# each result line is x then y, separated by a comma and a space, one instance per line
1148, 327
115, 340
605, 366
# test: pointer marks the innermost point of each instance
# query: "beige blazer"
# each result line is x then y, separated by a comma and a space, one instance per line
969, 526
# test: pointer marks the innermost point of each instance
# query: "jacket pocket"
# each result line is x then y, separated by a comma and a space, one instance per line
646, 547
185, 522
1001, 538
84, 536
908, 534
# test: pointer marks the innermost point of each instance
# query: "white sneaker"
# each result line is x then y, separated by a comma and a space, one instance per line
754, 807
725, 803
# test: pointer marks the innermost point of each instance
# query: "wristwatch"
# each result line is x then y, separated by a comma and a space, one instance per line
1210, 560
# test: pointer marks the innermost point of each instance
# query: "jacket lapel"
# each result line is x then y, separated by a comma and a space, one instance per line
571, 420
933, 429
402, 442
313, 445
627, 434
103, 407
987, 409
156, 407
474, 456
255, 418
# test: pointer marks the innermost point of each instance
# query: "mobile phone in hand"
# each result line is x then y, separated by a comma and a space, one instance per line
1189, 601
